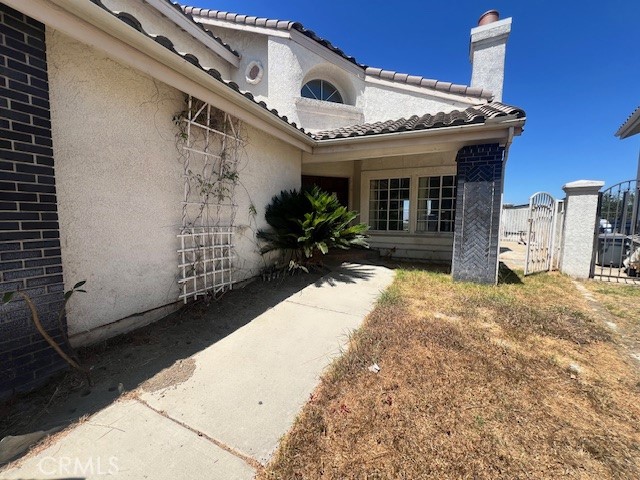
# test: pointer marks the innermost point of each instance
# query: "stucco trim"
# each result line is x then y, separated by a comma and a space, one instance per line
426, 91
325, 53
236, 26
193, 29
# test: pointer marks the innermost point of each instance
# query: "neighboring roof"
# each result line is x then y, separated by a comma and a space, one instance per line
631, 126
389, 75
469, 116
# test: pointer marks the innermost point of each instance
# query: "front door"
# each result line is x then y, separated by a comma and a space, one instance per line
337, 185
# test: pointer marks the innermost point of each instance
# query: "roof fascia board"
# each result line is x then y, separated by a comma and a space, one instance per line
187, 25
95, 27
214, 22
426, 91
298, 37
628, 127
412, 142
330, 56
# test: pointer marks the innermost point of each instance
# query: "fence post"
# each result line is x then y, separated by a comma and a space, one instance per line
581, 207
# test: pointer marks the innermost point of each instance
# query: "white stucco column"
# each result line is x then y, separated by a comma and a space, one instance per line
579, 227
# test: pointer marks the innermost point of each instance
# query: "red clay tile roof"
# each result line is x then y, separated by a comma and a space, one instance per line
374, 72
469, 116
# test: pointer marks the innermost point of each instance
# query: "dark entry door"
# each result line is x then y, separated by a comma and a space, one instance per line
337, 185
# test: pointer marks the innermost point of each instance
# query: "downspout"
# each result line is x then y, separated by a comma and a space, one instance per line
507, 144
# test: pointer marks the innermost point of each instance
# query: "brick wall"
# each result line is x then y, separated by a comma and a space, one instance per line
29, 234
477, 225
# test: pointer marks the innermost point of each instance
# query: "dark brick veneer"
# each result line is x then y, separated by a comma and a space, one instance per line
29, 234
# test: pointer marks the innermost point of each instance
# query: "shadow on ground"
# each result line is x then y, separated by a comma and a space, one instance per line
508, 276
124, 363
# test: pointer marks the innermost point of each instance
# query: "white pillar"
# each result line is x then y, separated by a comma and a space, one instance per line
580, 222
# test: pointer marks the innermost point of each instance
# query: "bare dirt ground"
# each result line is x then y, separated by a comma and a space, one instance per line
622, 303
155, 356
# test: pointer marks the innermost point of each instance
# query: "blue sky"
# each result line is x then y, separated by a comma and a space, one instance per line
573, 66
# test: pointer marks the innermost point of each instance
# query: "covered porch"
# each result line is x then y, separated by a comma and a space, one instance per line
430, 188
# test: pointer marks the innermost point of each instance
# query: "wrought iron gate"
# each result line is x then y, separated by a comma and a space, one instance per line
616, 255
541, 233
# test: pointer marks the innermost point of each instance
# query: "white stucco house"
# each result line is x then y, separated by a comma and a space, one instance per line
142, 140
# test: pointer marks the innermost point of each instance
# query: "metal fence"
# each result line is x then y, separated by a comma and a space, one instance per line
514, 223
616, 255
541, 236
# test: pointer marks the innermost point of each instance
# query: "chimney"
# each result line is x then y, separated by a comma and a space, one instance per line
487, 52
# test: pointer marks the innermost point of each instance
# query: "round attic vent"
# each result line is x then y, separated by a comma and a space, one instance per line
254, 72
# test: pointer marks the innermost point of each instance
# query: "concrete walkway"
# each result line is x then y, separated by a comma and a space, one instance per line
220, 413
513, 254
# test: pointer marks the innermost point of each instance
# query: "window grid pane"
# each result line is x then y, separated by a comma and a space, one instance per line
389, 204
321, 90
436, 203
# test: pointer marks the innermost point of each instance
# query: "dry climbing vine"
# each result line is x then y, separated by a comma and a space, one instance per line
211, 146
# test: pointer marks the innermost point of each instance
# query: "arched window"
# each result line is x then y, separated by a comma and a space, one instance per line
321, 90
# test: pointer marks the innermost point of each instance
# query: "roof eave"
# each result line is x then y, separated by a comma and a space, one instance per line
91, 24
415, 141
305, 38
631, 126
192, 29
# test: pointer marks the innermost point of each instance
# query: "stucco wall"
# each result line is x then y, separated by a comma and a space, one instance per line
385, 102
120, 185
289, 65
253, 47
269, 166
290, 62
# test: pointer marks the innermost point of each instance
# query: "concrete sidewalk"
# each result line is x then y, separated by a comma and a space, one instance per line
220, 413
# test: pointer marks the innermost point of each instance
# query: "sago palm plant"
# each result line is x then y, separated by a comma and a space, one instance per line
303, 222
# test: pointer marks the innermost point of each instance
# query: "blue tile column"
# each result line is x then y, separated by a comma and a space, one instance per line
477, 225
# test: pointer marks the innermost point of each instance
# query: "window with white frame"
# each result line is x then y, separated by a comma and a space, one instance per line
321, 90
436, 203
389, 204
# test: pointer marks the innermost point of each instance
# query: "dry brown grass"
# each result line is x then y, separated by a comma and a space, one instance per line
623, 301
476, 382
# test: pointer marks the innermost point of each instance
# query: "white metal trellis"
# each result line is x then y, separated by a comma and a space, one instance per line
209, 155
206, 260
541, 233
